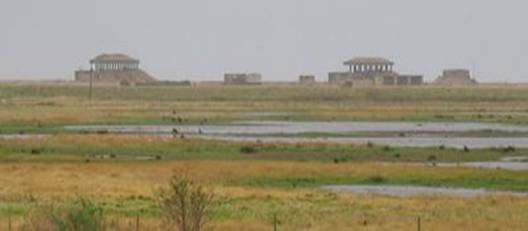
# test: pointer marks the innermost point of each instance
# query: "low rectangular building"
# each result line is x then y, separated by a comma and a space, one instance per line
242, 79
307, 79
455, 77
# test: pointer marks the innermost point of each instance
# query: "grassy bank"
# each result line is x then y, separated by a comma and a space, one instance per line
272, 93
131, 147
305, 165
29, 107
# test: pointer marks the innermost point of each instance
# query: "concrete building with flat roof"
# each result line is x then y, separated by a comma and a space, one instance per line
455, 77
242, 79
307, 79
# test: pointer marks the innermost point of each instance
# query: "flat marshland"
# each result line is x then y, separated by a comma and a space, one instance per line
33, 105
253, 182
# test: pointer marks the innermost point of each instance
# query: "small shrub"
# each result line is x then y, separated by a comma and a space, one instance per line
82, 215
509, 149
35, 151
102, 132
387, 148
301, 182
248, 150
184, 205
39, 219
370, 144
340, 160
432, 158
376, 179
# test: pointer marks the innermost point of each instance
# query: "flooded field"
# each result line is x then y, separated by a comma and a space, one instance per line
514, 166
508, 163
401, 134
284, 127
451, 142
415, 191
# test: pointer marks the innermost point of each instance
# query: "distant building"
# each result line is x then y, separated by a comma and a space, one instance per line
114, 68
455, 77
242, 79
307, 79
367, 71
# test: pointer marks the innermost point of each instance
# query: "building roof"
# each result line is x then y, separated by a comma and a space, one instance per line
114, 58
456, 70
368, 61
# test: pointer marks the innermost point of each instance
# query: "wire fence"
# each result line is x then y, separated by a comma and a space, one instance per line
115, 223
139, 223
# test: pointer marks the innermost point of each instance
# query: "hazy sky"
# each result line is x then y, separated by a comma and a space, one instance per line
202, 39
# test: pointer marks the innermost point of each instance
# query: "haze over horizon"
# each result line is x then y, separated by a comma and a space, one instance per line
203, 39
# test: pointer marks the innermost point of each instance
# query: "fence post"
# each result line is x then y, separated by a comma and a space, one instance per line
419, 224
101, 220
274, 222
137, 222
9, 223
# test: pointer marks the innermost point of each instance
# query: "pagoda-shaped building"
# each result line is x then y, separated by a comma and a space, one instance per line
114, 68
366, 71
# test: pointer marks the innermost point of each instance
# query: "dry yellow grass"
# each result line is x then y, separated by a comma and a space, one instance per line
72, 111
300, 209
112, 179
